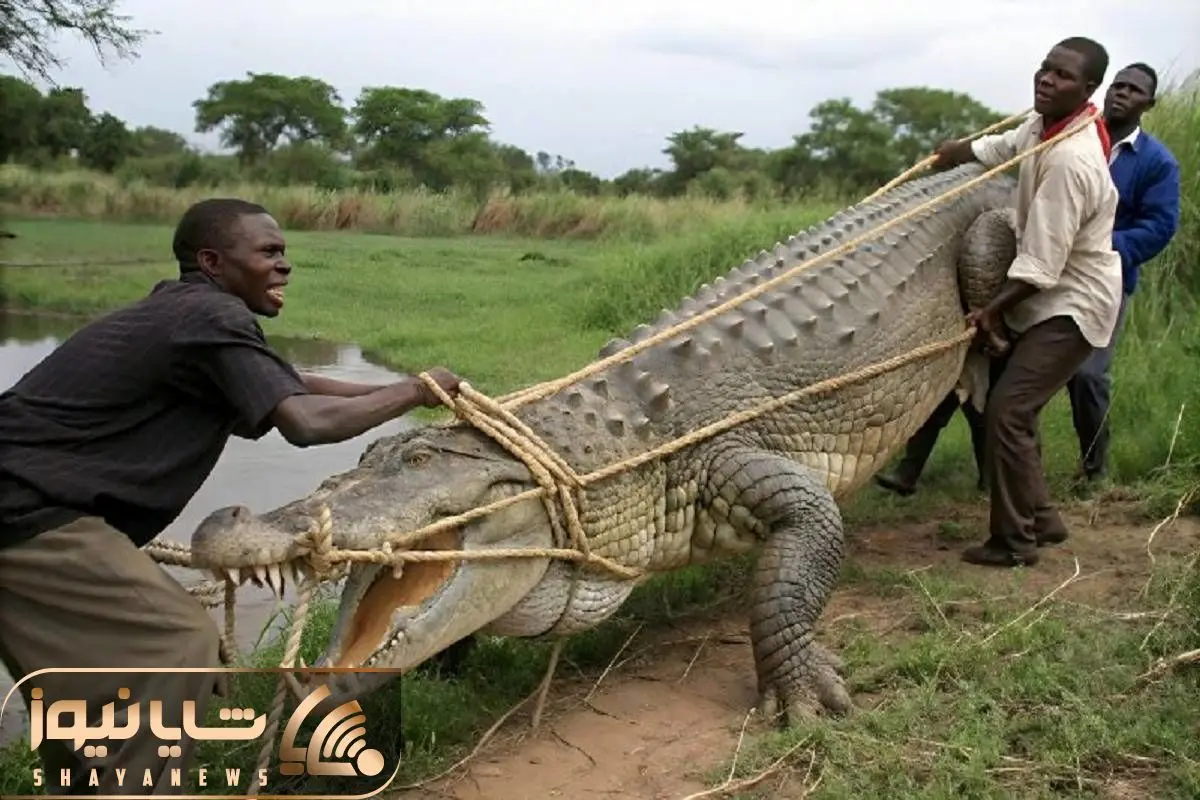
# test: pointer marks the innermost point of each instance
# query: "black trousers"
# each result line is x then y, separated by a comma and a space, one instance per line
1039, 365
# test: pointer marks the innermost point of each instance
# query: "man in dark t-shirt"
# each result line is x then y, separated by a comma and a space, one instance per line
105, 442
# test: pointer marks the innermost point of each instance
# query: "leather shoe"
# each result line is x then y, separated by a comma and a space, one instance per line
895, 484
1052, 537
990, 556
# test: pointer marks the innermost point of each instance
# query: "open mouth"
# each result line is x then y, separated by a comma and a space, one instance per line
403, 589
275, 295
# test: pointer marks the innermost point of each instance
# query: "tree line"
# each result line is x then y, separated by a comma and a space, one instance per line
295, 130
298, 130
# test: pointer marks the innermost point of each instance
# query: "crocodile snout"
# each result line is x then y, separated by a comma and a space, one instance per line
235, 544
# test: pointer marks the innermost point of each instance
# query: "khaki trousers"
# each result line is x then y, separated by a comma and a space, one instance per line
84, 596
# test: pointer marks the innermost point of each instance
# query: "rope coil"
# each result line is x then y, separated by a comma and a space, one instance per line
556, 480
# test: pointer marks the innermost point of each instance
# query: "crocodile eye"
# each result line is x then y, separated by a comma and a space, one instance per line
417, 458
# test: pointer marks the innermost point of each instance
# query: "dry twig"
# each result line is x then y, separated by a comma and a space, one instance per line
487, 735
1035, 606
1165, 665
587, 698
695, 656
731, 786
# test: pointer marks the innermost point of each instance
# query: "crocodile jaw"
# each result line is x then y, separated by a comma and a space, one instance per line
261, 553
392, 620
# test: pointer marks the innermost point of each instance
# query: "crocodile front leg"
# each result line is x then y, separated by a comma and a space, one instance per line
791, 510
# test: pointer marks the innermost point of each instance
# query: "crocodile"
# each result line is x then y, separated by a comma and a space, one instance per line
772, 484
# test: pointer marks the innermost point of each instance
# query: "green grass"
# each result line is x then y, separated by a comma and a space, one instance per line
411, 303
82, 194
1047, 708
979, 698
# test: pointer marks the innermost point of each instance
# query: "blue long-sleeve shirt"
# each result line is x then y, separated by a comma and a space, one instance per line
1147, 178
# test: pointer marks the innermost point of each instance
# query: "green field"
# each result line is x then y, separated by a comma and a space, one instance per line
506, 312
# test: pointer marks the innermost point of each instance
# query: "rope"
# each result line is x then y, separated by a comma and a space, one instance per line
320, 538
543, 390
555, 478
928, 160
471, 406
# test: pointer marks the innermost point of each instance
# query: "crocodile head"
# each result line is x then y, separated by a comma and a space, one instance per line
395, 618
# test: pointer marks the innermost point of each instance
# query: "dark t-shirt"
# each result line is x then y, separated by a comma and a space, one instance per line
126, 419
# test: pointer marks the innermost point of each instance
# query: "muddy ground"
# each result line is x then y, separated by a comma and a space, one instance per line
670, 708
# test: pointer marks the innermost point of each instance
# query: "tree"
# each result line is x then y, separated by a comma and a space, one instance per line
255, 113
522, 172
397, 123
697, 151
149, 141
20, 107
404, 127
920, 118
852, 149
641, 180
106, 143
64, 120
28, 26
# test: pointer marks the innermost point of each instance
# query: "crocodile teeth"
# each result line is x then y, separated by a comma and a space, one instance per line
260, 574
297, 572
233, 574
275, 579
397, 569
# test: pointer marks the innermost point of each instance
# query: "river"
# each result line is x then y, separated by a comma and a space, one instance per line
259, 474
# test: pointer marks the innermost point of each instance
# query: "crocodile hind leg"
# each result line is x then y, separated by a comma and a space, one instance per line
793, 512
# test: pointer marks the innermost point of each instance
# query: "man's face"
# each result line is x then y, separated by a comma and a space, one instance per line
251, 265
1129, 96
1059, 85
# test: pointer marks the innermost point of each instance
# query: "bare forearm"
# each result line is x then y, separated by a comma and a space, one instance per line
324, 419
953, 154
319, 384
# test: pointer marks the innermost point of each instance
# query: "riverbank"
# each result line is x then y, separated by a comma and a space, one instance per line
507, 312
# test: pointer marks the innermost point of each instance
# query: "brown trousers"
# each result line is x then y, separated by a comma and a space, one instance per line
1037, 367
84, 596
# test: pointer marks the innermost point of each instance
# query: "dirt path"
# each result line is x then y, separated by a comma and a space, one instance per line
670, 710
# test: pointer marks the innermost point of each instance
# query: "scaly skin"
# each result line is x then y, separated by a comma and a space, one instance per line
773, 482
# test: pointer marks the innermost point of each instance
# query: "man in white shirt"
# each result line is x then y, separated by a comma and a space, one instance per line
1063, 292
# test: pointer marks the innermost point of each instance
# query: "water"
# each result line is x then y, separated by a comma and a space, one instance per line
259, 474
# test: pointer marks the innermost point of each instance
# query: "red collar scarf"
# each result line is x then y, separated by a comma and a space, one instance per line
1086, 108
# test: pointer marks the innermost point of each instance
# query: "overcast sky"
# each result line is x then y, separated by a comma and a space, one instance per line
605, 81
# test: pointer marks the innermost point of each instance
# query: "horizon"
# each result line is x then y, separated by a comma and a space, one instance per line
534, 70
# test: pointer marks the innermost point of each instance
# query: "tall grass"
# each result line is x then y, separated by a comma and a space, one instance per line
81, 194
1157, 366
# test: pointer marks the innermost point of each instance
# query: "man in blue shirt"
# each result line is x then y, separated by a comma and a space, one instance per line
1147, 180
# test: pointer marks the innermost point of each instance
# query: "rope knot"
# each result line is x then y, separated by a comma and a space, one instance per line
317, 544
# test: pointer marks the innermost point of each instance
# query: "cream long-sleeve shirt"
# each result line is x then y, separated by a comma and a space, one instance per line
1066, 203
